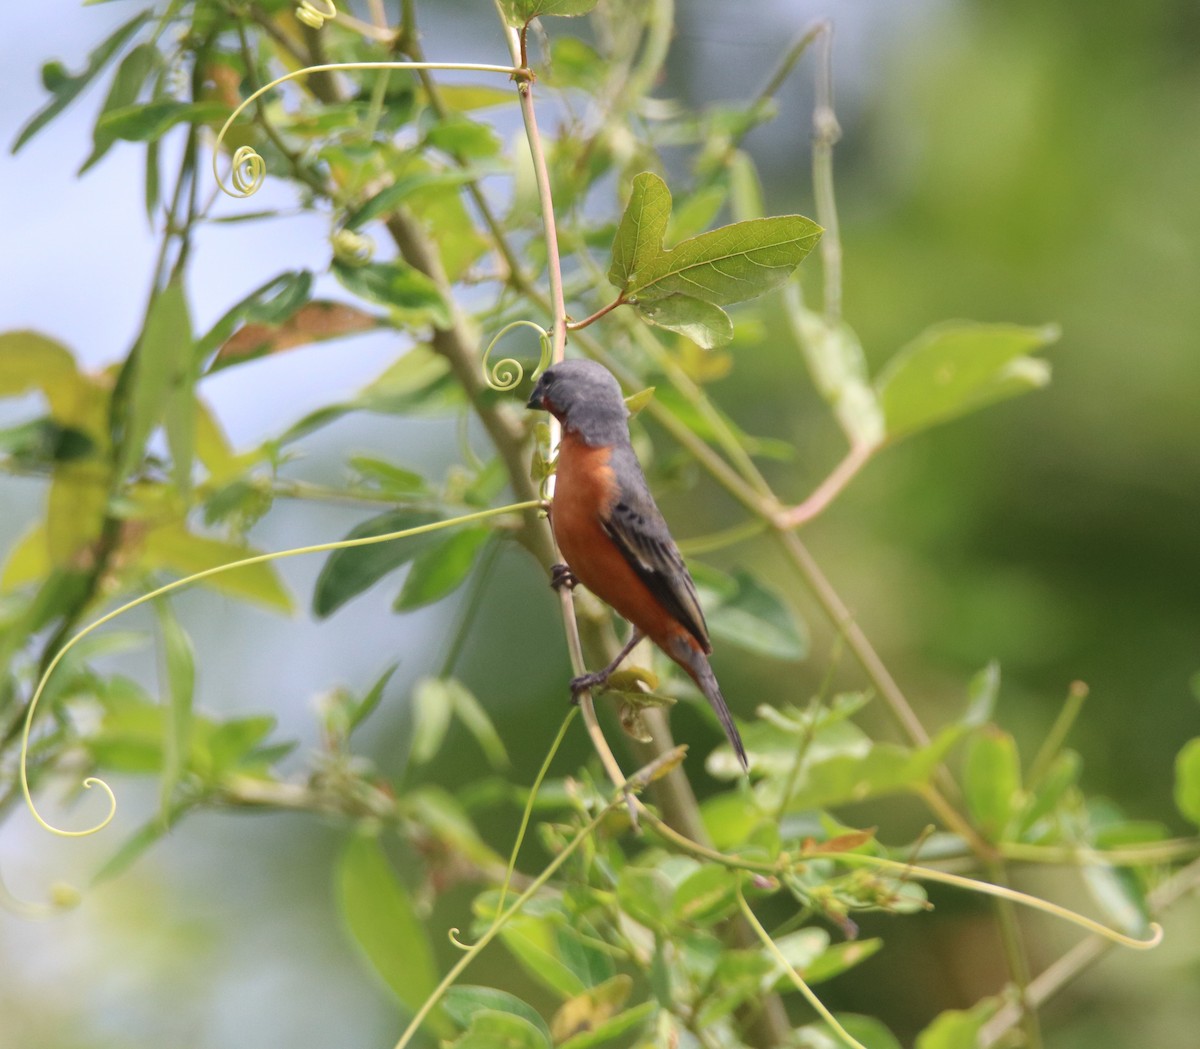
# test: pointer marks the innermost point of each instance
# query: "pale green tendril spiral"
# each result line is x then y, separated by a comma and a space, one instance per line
247, 183
248, 172
507, 373
167, 588
315, 15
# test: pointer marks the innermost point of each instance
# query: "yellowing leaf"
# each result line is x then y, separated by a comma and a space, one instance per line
173, 547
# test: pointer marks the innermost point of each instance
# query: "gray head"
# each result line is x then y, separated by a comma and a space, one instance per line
586, 398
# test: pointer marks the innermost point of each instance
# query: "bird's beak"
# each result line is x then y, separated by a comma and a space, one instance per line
536, 400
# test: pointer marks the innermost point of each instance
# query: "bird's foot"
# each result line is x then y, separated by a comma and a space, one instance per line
586, 682
560, 576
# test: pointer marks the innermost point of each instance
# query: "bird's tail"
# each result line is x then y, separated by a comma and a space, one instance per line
695, 662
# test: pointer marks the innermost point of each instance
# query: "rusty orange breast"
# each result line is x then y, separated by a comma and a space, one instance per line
585, 490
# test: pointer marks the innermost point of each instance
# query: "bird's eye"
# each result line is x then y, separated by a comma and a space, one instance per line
548, 377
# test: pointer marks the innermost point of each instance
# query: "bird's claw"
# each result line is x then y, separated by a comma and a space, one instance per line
561, 575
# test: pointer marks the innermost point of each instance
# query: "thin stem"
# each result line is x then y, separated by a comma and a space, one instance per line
1058, 733
577, 325
1015, 956
826, 132
828, 490
838, 614
797, 981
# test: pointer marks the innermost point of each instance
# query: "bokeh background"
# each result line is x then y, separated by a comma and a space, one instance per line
1024, 162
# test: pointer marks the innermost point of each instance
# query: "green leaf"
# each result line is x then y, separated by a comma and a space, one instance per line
728, 264
470, 712
885, 768
955, 368
1052, 787
613, 1027
866, 1030
640, 233
981, 696
149, 121
126, 86
388, 199
347, 573
43, 442
414, 297
1187, 781
464, 138
533, 943
366, 706
706, 896
30, 361
839, 957
706, 325
393, 479
66, 88
432, 705
519, 13
645, 894
801, 948
501, 1030
958, 1028
161, 363
1120, 895
180, 672
440, 569
461, 1004
379, 913
743, 612
838, 368
445, 818
233, 745
992, 780
474, 96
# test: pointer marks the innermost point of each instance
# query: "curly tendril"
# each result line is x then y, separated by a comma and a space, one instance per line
177, 584
507, 373
243, 185
315, 15
247, 172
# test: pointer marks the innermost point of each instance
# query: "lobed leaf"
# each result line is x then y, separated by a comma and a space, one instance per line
519, 13
706, 325
639, 236
728, 264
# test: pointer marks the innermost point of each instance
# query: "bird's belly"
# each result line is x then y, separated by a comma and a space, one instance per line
584, 492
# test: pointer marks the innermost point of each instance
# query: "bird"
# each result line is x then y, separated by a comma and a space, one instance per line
612, 535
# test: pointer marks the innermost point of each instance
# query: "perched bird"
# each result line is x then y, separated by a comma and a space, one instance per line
611, 533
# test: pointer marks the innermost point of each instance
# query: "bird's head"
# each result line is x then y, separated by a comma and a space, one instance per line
586, 398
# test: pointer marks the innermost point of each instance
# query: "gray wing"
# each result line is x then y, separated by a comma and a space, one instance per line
637, 527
